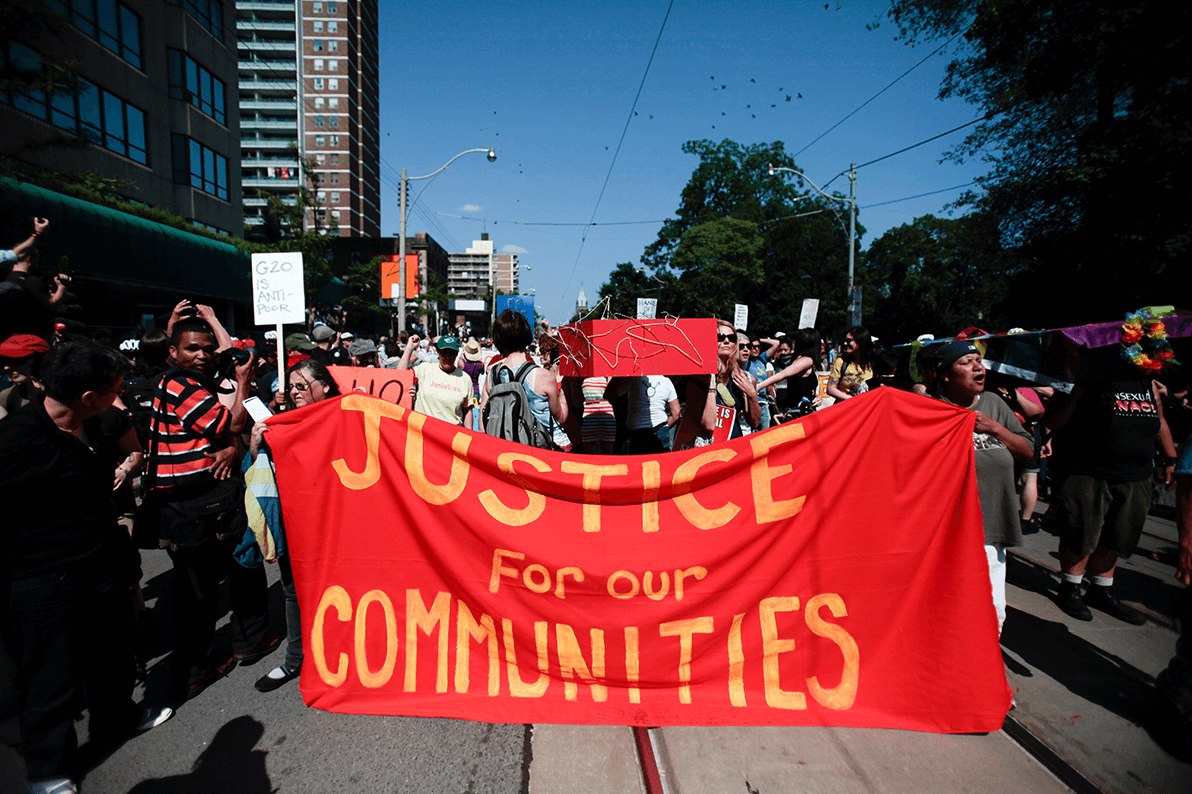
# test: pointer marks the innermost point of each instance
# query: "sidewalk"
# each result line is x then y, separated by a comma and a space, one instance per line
1083, 690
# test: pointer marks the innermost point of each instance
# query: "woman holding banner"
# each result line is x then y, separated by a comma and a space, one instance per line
309, 382
710, 414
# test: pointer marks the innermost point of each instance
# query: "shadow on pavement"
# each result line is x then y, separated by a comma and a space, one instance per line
1087, 671
229, 765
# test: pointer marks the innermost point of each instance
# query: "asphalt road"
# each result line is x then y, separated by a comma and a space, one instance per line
232, 739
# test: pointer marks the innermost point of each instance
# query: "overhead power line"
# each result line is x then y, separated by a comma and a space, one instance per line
920, 195
624, 130
875, 96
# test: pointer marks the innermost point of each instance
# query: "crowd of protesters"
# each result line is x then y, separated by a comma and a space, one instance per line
106, 450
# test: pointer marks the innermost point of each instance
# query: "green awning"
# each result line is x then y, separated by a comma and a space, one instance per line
113, 246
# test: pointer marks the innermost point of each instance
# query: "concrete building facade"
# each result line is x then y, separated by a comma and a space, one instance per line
471, 272
309, 96
155, 106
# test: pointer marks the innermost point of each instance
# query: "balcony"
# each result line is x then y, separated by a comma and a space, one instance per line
268, 124
264, 5
265, 162
266, 85
269, 104
266, 45
260, 24
270, 183
268, 143
258, 65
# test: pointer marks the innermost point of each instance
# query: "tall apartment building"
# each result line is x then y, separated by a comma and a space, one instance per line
309, 95
469, 273
153, 103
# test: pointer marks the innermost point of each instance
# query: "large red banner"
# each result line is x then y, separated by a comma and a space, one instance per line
824, 572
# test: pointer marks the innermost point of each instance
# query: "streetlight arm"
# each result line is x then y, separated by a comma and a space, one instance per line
492, 155
801, 175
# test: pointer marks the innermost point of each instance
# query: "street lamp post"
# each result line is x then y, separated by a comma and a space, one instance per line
401, 241
852, 213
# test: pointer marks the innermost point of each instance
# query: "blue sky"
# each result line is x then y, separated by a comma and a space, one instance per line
551, 85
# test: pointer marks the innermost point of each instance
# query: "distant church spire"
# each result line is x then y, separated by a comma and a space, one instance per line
581, 303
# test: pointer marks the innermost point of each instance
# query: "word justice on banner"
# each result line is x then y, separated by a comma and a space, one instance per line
824, 572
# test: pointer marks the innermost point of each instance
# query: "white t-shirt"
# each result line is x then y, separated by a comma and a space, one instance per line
649, 396
443, 395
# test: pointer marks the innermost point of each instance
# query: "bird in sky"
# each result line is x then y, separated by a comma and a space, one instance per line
788, 97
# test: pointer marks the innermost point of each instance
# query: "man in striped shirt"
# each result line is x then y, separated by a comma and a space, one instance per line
194, 449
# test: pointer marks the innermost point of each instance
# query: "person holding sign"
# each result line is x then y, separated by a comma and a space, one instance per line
710, 414
444, 390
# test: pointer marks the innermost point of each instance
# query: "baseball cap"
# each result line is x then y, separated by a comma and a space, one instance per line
299, 341
322, 333
447, 342
21, 345
952, 352
361, 347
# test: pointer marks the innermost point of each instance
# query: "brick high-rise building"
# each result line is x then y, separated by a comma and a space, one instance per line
471, 272
309, 95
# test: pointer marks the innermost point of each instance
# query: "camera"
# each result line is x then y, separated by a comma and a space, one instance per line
228, 360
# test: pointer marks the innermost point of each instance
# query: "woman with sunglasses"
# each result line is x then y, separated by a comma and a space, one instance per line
309, 382
730, 388
852, 370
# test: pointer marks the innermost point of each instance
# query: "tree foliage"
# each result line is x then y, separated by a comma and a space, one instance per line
742, 236
938, 276
1088, 134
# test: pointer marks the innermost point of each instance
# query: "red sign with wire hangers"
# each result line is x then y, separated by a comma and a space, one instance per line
621, 348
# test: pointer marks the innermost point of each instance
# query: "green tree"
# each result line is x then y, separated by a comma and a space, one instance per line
734, 214
1088, 134
629, 282
937, 276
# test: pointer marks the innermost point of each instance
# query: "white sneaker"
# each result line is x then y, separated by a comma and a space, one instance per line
152, 719
60, 785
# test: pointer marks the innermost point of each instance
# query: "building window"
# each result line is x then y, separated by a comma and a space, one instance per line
333, 83
93, 113
332, 45
318, 83
319, 159
111, 23
332, 65
334, 176
319, 64
318, 26
334, 197
209, 13
192, 83
333, 102
319, 140
317, 8
318, 101
200, 167
332, 26
319, 122
335, 159
333, 121
331, 8
318, 45
335, 140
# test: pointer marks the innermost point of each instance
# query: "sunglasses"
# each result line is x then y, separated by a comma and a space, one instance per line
726, 337
743, 346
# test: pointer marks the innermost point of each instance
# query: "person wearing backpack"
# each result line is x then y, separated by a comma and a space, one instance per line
520, 400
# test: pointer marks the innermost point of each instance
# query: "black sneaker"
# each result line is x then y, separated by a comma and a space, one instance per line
1103, 599
1070, 603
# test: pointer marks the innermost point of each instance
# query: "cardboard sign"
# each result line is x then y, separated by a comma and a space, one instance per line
726, 420
279, 295
647, 308
614, 348
741, 317
391, 385
809, 313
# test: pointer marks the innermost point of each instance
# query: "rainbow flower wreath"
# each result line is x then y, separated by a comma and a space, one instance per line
1144, 342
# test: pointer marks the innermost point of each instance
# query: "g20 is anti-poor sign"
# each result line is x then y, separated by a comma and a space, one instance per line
278, 292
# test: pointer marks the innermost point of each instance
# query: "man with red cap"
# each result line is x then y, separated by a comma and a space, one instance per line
21, 356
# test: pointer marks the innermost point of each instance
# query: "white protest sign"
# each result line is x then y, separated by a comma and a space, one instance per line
741, 317
278, 292
646, 308
809, 313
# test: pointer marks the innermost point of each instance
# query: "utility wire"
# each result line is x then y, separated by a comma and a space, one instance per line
921, 195
912, 146
624, 130
875, 96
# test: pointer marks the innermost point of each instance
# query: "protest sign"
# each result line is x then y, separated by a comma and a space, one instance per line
809, 312
647, 308
392, 385
277, 288
829, 571
741, 317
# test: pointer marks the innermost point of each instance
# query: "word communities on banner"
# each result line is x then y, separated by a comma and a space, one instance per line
445, 573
